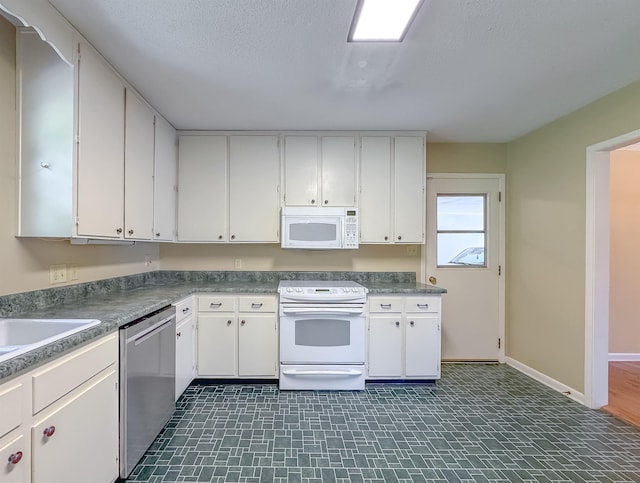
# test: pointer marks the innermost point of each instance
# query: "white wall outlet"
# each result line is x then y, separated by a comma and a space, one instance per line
72, 272
412, 251
237, 263
147, 260
57, 273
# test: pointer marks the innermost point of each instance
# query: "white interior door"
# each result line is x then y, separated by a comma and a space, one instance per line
465, 255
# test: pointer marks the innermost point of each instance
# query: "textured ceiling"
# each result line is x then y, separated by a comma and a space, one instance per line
468, 70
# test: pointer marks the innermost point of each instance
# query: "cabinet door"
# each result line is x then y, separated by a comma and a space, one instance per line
338, 155
202, 188
14, 454
375, 189
100, 162
185, 355
410, 178
301, 171
422, 351
385, 346
257, 345
217, 342
84, 440
254, 199
138, 163
165, 181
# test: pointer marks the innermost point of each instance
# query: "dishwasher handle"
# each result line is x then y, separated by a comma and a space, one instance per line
151, 331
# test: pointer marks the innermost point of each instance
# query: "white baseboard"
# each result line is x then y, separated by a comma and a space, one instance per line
623, 356
546, 380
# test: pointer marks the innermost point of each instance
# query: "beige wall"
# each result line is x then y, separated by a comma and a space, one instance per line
624, 262
25, 262
546, 195
466, 158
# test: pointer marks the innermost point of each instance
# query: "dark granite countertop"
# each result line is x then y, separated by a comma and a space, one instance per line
117, 306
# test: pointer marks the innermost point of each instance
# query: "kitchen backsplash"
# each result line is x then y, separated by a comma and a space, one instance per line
13, 304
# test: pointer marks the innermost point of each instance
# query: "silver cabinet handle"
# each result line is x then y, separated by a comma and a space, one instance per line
219, 237
228, 323
118, 231
130, 232
326, 202
412, 323
214, 305
158, 234
397, 323
313, 202
178, 334
184, 311
399, 238
423, 306
242, 322
233, 237
256, 306
385, 306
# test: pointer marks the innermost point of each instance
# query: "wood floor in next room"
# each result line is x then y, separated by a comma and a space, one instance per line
624, 391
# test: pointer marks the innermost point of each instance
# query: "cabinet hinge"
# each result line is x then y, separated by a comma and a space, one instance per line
77, 139
499, 270
499, 342
77, 220
499, 196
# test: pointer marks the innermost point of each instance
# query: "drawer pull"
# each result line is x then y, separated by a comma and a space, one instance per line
423, 306
48, 432
214, 305
412, 323
178, 334
397, 323
228, 323
15, 458
385, 306
185, 311
256, 306
242, 322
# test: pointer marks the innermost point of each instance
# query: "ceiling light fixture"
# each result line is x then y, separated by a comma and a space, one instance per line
382, 20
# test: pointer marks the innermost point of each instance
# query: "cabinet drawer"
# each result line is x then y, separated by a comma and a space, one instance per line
385, 304
184, 309
422, 304
10, 407
216, 303
63, 376
257, 304
16, 449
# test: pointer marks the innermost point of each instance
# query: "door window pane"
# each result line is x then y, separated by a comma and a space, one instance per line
461, 230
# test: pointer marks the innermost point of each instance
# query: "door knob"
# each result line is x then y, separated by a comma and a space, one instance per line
432, 280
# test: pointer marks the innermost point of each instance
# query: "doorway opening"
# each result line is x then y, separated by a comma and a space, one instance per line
597, 267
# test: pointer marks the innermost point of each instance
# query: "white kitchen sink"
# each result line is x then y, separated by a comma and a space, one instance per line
18, 336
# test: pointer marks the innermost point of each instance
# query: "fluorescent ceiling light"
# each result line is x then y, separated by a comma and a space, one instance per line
382, 20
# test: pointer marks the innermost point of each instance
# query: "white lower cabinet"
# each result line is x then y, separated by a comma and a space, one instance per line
71, 441
404, 337
185, 345
237, 336
59, 422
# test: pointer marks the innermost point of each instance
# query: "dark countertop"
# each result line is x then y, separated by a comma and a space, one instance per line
122, 306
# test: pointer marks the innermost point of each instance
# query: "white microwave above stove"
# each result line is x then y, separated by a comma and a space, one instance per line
320, 228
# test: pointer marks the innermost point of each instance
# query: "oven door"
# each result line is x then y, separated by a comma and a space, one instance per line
322, 334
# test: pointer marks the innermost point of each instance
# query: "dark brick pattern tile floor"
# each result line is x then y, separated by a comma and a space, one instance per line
478, 423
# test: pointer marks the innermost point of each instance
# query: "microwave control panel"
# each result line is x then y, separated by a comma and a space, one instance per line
351, 229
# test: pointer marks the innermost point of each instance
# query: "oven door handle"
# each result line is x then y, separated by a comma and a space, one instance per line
316, 311
316, 372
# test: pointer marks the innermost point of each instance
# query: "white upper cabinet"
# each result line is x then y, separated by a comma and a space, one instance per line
392, 189
165, 181
319, 170
100, 161
301, 170
254, 198
138, 177
202, 188
338, 156
409, 189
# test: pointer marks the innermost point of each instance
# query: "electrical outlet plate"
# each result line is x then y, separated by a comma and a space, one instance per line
72, 272
237, 263
57, 273
412, 251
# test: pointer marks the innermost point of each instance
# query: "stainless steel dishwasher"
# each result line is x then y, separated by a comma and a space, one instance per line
147, 383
